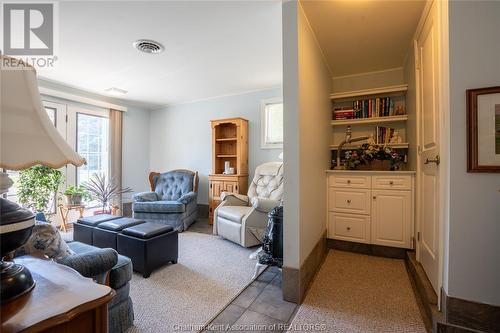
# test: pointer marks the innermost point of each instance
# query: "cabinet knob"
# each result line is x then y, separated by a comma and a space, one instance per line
348, 228
348, 201
374, 197
348, 181
391, 183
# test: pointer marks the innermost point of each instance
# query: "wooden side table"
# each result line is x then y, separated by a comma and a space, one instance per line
65, 209
61, 301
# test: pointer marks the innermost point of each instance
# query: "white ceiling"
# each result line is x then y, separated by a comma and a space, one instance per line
359, 36
212, 48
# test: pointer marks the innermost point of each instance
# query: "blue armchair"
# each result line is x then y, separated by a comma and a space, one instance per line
172, 200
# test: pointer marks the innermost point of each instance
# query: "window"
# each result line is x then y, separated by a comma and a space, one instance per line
92, 144
272, 123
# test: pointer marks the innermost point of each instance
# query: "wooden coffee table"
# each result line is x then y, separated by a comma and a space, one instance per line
61, 301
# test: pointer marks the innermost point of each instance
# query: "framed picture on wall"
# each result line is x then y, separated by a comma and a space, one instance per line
483, 130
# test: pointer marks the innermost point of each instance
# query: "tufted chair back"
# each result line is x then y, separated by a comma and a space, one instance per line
267, 181
172, 185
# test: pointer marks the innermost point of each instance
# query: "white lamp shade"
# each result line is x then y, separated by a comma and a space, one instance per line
27, 135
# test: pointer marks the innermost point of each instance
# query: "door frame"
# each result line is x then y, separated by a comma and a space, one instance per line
444, 133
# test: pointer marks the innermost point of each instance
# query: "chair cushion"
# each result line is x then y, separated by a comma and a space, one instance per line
119, 224
233, 213
147, 230
159, 207
97, 219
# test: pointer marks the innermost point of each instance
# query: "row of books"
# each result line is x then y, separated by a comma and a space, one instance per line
376, 107
383, 134
369, 108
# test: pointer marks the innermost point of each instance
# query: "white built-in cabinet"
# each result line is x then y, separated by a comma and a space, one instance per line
372, 207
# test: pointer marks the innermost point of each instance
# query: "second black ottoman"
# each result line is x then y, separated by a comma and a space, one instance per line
105, 233
83, 229
149, 245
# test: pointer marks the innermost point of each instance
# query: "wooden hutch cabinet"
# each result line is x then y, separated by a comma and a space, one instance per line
229, 144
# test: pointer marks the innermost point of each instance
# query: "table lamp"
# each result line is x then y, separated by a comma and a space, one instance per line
27, 138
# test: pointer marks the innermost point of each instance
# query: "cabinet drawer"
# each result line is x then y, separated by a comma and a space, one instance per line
349, 227
390, 182
349, 181
355, 201
231, 187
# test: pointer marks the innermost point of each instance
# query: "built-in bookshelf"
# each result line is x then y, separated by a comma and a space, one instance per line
379, 113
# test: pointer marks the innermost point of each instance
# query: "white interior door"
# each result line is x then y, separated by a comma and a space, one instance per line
428, 209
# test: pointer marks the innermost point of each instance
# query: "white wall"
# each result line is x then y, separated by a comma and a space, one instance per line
135, 151
474, 227
315, 86
307, 86
411, 108
180, 135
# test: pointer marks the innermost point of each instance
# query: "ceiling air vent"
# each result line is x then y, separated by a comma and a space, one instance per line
148, 46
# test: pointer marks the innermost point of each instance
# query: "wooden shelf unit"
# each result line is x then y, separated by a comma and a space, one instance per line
229, 143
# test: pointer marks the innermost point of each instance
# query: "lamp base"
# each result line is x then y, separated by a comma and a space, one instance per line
16, 280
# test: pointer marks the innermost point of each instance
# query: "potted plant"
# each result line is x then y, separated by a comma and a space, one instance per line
104, 191
36, 188
374, 157
75, 195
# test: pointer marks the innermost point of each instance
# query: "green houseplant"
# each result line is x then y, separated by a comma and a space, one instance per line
104, 191
36, 188
75, 195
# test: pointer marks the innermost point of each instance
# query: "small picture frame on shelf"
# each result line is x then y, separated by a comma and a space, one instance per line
483, 129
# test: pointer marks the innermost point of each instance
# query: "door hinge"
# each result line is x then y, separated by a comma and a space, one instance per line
413, 242
210, 185
66, 118
418, 236
419, 149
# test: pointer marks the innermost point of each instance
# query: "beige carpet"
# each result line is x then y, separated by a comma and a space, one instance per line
209, 273
358, 293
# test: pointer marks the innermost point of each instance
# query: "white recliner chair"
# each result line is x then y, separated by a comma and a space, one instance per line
243, 218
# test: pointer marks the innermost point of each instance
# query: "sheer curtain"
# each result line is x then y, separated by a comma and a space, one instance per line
115, 150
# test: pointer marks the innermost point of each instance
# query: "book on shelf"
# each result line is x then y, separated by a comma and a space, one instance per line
343, 113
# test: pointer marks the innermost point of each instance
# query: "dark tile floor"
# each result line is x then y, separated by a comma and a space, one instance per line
258, 308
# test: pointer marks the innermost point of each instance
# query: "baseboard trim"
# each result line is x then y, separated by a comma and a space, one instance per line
424, 293
296, 282
202, 210
369, 249
471, 315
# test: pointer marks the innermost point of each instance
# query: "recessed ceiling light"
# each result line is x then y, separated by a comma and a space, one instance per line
116, 91
148, 46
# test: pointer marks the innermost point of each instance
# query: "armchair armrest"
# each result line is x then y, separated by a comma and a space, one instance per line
93, 263
233, 199
145, 196
188, 197
264, 205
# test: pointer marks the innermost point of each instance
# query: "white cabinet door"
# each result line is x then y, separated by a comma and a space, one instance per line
391, 218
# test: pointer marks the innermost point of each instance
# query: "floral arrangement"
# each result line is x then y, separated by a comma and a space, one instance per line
369, 153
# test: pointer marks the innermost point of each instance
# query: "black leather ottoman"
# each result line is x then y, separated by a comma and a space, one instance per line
83, 229
105, 233
149, 245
